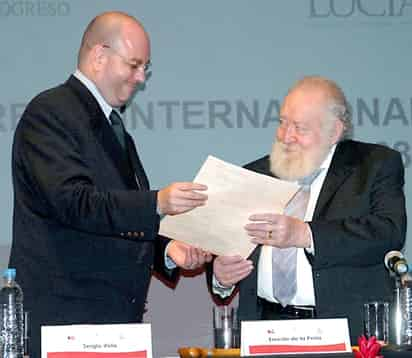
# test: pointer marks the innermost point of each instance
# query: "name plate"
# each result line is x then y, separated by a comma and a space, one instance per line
295, 337
97, 341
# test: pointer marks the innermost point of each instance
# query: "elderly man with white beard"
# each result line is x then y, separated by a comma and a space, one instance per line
327, 260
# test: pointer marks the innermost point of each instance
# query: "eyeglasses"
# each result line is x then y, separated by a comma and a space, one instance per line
134, 66
299, 129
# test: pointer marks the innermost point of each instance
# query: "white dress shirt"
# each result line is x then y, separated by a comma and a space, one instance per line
106, 108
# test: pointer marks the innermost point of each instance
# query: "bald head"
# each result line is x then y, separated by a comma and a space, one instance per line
114, 55
108, 28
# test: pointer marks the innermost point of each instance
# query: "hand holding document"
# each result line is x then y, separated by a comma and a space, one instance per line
234, 193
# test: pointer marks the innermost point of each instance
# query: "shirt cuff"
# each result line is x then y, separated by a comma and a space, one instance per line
157, 207
311, 249
159, 213
169, 263
221, 290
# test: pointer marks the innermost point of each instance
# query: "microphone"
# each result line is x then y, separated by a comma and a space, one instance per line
395, 262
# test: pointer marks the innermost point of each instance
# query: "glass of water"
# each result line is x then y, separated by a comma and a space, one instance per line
226, 327
376, 321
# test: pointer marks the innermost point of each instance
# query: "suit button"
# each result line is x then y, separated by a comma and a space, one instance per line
129, 234
133, 300
317, 275
136, 234
141, 234
122, 234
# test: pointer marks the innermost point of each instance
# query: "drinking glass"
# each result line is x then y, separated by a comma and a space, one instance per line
376, 320
226, 328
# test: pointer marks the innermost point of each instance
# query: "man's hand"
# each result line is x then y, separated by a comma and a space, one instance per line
178, 198
279, 231
229, 270
186, 256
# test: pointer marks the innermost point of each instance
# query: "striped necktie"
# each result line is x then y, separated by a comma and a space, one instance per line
284, 261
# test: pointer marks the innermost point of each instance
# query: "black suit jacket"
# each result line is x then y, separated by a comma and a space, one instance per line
359, 216
85, 222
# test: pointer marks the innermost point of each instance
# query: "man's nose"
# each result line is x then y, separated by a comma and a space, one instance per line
139, 76
287, 134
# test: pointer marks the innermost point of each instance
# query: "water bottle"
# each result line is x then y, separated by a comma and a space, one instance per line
11, 301
406, 313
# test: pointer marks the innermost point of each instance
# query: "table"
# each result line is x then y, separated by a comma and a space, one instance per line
193, 352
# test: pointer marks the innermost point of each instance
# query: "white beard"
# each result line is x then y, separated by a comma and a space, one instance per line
289, 162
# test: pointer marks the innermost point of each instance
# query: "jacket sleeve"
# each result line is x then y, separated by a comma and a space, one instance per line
168, 276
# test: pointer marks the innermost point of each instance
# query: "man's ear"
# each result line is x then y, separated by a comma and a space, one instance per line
98, 56
338, 131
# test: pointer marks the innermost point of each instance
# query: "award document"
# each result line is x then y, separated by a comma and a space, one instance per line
234, 193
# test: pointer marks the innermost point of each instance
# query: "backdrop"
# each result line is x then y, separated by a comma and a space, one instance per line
220, 70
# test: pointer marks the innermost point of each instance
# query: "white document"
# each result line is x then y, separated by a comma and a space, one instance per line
97, 340
234, 193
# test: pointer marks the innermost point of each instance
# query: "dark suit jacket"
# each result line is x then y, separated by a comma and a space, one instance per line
84, 231
359, 216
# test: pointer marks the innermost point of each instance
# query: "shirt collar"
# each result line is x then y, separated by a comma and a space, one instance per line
324, 167
328, 159
106, 108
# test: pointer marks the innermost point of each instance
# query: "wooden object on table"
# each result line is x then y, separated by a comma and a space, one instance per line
197, 352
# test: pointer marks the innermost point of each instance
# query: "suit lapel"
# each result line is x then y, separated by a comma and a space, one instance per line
117, 154
340, 169
104, 133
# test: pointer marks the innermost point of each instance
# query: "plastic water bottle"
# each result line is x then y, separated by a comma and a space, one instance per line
11, 301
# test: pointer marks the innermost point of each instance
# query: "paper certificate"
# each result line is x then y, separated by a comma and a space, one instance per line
234, 193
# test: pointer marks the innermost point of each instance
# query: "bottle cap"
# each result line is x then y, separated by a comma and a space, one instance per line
9, 273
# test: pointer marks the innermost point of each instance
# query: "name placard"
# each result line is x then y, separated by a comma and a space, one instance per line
295, 336
97, 341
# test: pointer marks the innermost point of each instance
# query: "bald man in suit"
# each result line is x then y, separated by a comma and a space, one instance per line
85, 224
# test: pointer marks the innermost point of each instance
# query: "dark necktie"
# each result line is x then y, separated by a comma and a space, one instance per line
284, 261
118, 128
